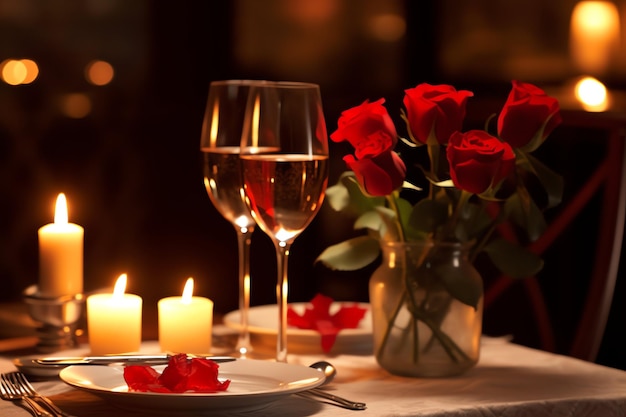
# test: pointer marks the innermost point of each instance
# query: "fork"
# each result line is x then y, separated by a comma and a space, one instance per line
9, 392
23, 385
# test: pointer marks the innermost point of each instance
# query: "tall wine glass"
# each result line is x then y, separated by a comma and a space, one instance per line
220, 141
284, 159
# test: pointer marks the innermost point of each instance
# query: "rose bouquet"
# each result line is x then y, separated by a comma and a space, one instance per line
443, 184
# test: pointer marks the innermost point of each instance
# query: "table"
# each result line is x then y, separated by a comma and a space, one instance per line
509, 380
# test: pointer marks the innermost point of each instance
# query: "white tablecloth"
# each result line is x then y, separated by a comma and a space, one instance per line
510, 380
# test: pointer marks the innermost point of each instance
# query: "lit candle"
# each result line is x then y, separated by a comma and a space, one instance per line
594, 35
185, 323
60, 254
114, 321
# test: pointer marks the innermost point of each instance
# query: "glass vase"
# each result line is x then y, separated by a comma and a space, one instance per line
427, 302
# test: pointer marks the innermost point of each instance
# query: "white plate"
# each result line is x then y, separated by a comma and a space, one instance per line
263, 324
254, 384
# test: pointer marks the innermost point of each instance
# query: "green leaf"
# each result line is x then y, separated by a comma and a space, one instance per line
338, 196
538, 138
473, 222
389, 219
445, 184
465, 287
359, 201
551, 181
350, 255
407, 185
513, 260
526, 214
370, 220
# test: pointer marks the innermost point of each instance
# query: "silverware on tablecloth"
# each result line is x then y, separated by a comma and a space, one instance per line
332, 399
118, 359
20, 381
330, 372
51, 366
9, 392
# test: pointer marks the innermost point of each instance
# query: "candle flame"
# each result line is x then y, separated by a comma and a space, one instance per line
255, 121
214, 124
188, 291
120, 287
592, 94
60, 210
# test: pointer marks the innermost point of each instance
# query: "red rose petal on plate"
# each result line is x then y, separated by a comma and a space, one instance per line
203, 376
175, 374
318, 317
349, 317
180, 375
140, 378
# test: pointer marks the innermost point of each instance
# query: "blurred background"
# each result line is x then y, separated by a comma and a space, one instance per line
104, 99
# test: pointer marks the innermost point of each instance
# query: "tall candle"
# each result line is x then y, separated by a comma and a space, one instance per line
60, 254
114, 321
185, 323
594, 35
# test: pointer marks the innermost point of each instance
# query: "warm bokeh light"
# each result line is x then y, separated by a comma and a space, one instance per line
594, 35
76, 106
32, 71
99, 72
592, 94
387, 27
13, 72
19, 71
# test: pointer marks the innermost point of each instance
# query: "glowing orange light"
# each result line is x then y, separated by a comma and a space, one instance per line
32, 71
387, 27
594, 35
76, 106
13, 72
99, 72
592, 94
19, 71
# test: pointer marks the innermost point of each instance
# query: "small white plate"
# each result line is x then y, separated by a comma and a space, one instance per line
263, 325
254, 384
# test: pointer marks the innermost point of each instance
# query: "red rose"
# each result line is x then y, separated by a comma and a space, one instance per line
528, 116
379, 175
478, 161
435, 109
370, 130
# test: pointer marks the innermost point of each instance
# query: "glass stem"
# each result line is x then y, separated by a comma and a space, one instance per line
282, 287
244, 239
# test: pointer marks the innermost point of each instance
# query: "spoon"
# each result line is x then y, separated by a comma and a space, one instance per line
329, 372
327, 369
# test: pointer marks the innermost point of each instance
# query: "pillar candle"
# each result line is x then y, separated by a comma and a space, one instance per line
185, 323
594, 35
114, 321
60, 254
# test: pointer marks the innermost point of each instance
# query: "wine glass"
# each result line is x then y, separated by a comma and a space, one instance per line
284, 160
220, 140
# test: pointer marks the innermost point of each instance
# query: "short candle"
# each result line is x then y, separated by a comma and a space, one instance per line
60, 254
114, 321
185, 323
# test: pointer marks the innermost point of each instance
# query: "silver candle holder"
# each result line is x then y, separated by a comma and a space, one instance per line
59, 318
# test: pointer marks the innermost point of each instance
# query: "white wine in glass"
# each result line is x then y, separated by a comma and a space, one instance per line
221, 137
284, 158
